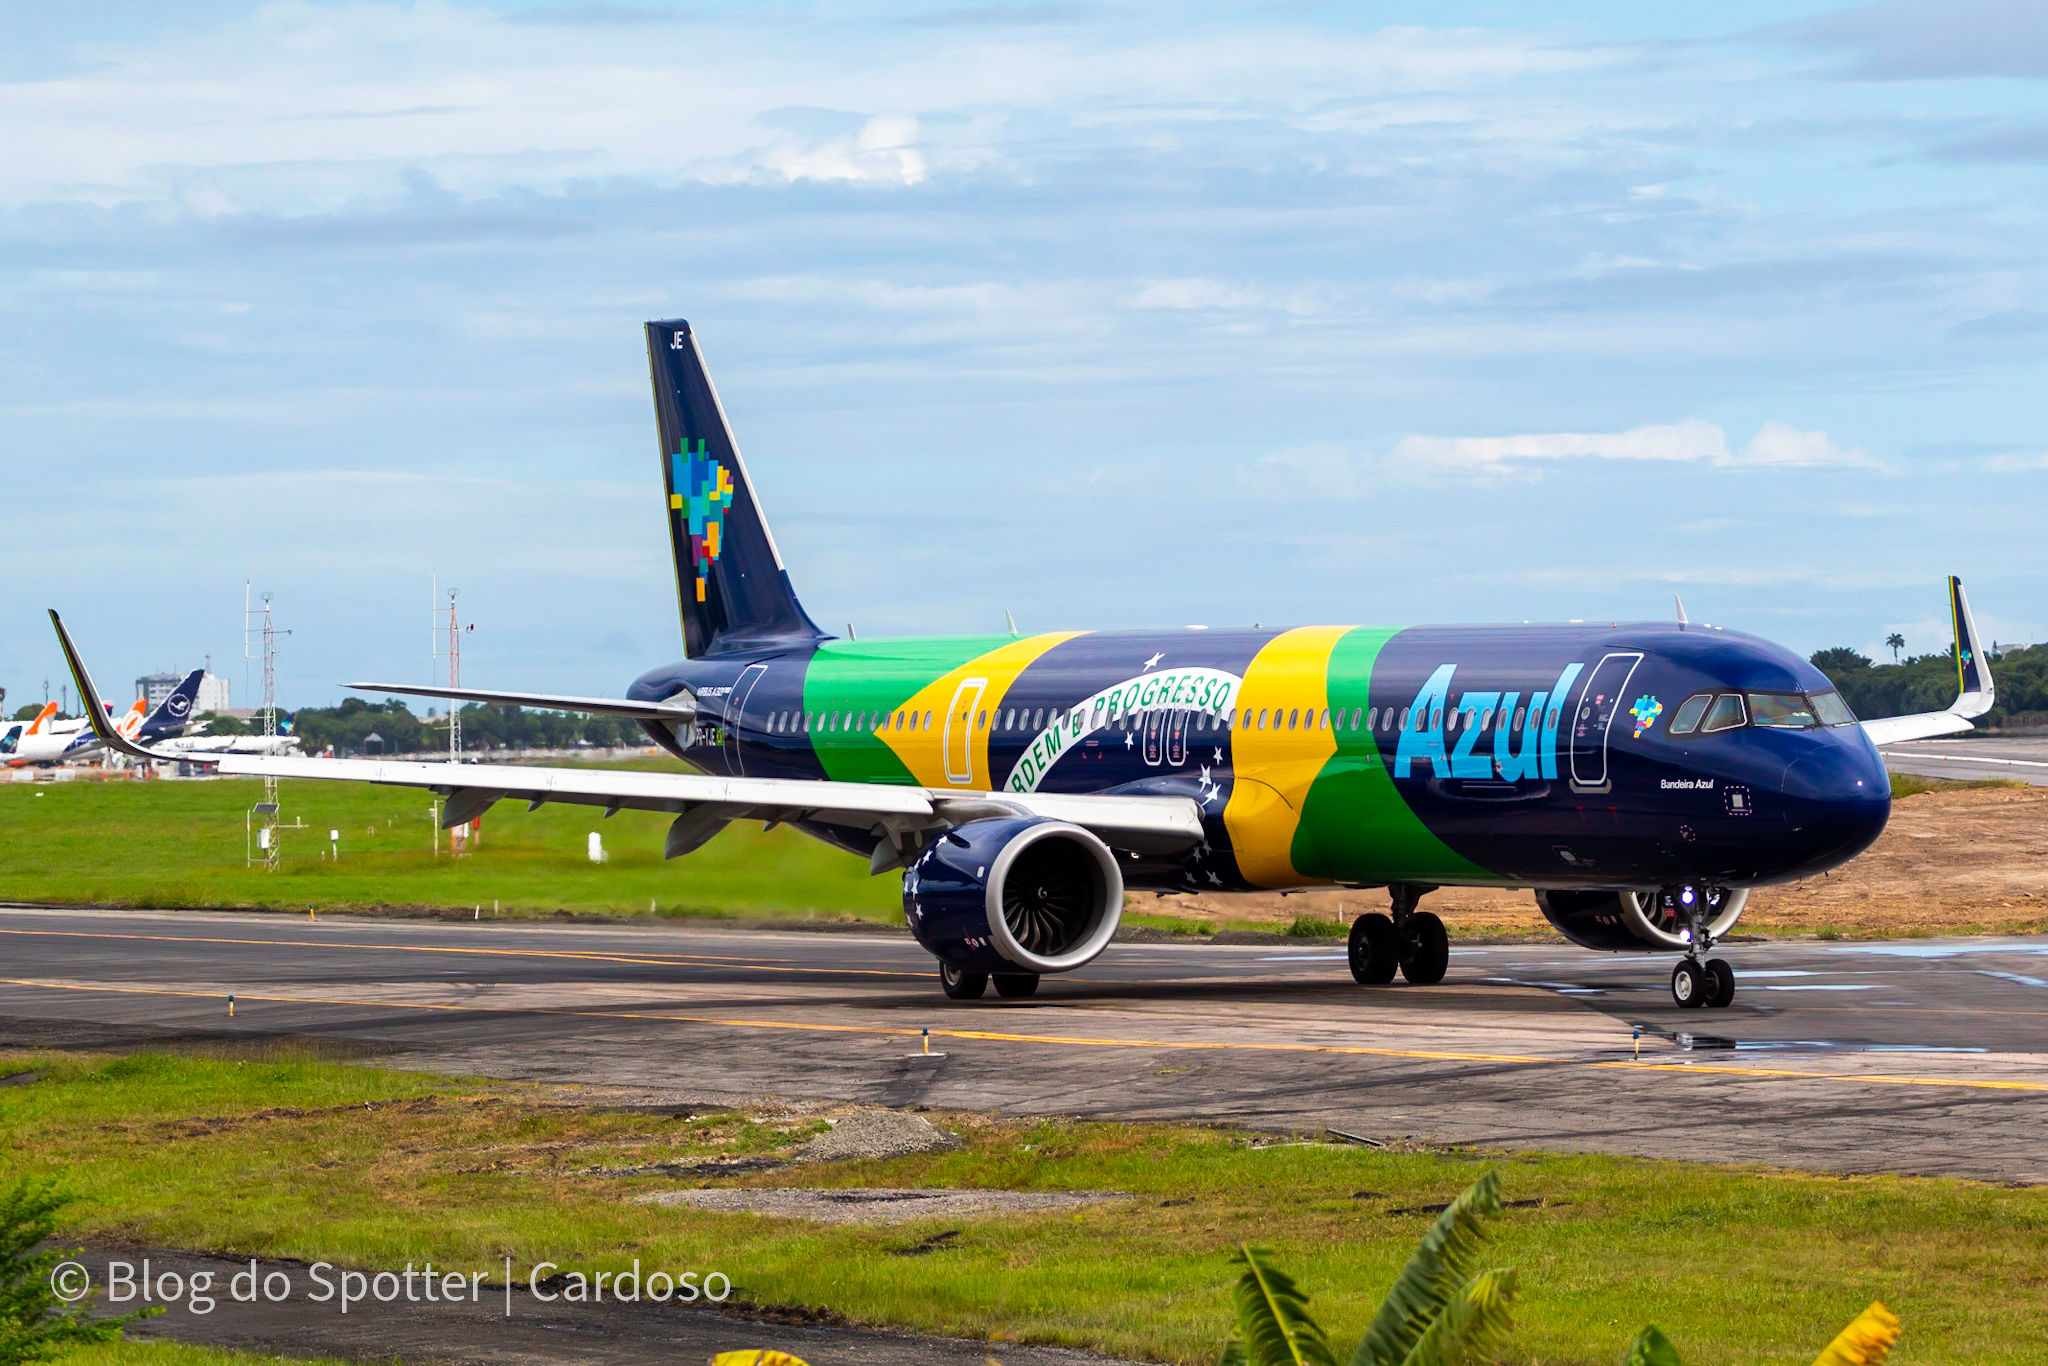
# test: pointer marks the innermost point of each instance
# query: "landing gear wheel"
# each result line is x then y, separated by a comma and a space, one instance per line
1689, 985
1720, 983
960, 984
1375, 949
1427, 948
1016, 985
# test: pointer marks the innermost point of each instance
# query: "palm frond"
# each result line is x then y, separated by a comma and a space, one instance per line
1865, 1342
1273, 1323
1474, 1323
1446, 1259
1651, 1348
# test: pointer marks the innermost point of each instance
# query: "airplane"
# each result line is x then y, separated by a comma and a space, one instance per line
197, 742
1640, 778
141, 724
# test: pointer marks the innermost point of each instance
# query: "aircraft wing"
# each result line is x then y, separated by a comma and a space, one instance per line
1974, 690
702, 804
681, 709
905, 817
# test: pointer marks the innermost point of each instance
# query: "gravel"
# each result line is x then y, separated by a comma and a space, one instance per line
876, 1134
871, 1205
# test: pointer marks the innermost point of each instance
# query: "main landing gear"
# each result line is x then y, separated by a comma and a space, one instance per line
1698, 980
1411, 940
961, 985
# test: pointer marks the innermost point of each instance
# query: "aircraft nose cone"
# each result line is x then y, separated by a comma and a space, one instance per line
1849, 796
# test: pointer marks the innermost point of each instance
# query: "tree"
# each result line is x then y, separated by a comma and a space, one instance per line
1441, 1308
34, 1323
1895, 643
1838, 661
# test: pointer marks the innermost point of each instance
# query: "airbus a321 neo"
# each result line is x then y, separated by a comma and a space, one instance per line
1641, 778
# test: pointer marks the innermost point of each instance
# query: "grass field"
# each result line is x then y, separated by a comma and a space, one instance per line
182, 844
295, 1157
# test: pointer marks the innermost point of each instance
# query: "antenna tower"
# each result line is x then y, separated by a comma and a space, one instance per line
452, 651
259, 641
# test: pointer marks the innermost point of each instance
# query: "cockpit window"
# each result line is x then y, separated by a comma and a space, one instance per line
1689, 712
1725, 714
1782, 711
1831, 709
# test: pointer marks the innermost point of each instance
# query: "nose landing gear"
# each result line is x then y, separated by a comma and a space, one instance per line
1698, 980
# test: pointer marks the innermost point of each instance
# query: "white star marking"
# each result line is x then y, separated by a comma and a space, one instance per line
1154, 660
1129, 740
1205, 775
1219, 756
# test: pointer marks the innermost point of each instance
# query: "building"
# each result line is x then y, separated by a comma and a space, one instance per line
213, 691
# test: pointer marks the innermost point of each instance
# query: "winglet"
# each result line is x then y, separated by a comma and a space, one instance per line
1974, 691
96, 714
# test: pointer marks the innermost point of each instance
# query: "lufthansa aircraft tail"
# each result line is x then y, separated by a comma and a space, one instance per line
170, 716
736, 595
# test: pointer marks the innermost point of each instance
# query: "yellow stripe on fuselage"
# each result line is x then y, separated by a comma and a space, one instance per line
953, 750
1274, 765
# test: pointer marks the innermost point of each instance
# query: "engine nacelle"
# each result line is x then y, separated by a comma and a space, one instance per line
1639, 922
1014, 895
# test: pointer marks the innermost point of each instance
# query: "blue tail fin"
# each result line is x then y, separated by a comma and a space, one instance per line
174, 713
735, 593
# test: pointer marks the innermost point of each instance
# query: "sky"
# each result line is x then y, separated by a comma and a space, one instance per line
1106, 315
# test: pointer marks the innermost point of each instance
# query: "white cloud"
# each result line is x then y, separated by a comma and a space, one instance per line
1196, 293
2016, 463
1694, 440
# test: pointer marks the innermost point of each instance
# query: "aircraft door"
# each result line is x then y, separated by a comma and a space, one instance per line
958, 751
1593, 716
738, 719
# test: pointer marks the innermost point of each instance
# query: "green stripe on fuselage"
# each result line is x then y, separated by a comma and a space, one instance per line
857, 677
1354, 826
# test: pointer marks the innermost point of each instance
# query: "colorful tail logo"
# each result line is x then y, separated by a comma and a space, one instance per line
703, 491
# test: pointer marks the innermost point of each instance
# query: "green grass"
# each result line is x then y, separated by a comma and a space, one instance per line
289, 1156
129, 1352
1912, 784
182, 844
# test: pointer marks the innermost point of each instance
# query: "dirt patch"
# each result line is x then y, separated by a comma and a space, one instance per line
874, 1205
1970, 859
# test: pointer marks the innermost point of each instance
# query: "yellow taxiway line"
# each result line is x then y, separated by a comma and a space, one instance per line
637, 960
1515, 1059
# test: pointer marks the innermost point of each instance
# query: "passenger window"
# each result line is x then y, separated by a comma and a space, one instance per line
981, 719
1782, 711
1486, 718
1262, 719
1687, 718
1832, 710
1372, 719
1293, 717
926, 724
1725, 714
1520, 712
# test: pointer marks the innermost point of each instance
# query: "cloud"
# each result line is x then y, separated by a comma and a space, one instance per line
1691, 441
2015, 463
2007, 322
1932, 39
2005, 145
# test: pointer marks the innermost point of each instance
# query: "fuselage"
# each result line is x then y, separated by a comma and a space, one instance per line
1477, 755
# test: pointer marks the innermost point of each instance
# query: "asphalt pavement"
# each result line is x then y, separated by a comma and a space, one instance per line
1924, 1056
2015, 758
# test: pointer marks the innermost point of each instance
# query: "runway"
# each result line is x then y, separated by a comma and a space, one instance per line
2021, 759
1923, 1056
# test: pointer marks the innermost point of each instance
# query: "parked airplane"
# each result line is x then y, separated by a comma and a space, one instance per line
141, 724
1641, 778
